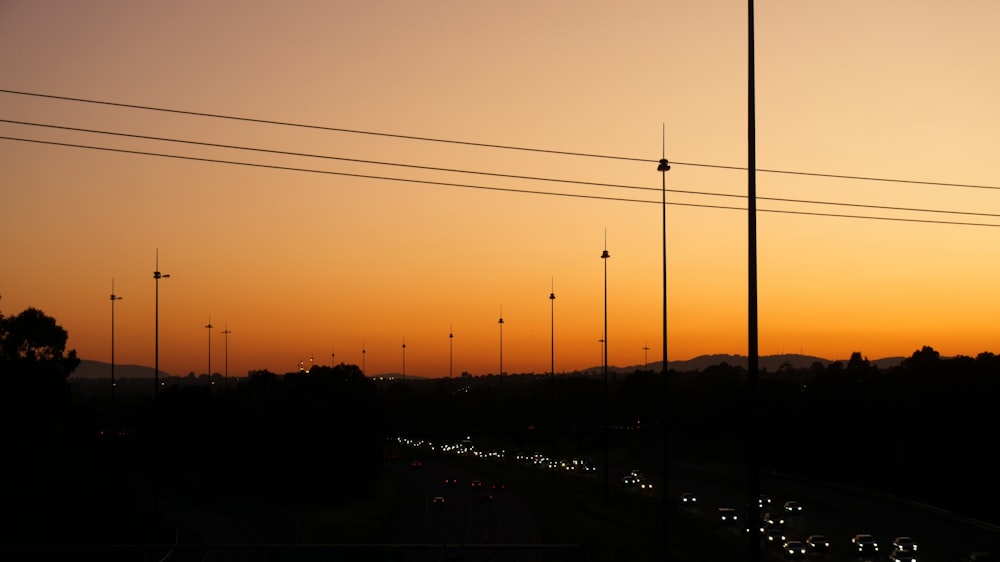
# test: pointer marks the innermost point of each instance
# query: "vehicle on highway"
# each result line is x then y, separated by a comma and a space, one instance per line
794, 549
902, 556
864, 543
818, 543
630, 481
792, 506
728, 515
486, 498
450, 482
476, 483
771, 519
775, 537
498, 487
438, 500
689, 499
904, 544
764, 501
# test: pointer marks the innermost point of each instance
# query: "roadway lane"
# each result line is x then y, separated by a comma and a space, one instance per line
478, 522
838, 512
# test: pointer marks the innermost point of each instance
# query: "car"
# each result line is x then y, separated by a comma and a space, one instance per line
416, 463
689, 499
498, 487
818, 543
486, 498
727, 515
902, 556
476, 483
773, 520
864, 543
630, 481
438, 500
794, 549
775, 537
792, 506
764, 501
450, 482
904, 544
636, 479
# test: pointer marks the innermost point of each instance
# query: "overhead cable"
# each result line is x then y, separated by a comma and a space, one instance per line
482, 145
479, 187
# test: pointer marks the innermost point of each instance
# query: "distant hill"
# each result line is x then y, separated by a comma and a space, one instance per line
765, 362
100, 370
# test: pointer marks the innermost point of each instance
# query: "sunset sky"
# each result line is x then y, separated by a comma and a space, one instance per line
353, 226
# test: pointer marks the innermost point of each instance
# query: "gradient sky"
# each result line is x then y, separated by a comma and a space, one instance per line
317, 264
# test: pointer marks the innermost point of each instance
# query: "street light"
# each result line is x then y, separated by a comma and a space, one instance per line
226, 333
552, 368
663, 168
552, 339
645, 357
500, 417
404, 358
362, 360
113, 299
501, 349
604, 257
156, 336
451, 354
600, 360
209, 326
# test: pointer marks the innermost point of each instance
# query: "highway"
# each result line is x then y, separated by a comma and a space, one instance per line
836, 511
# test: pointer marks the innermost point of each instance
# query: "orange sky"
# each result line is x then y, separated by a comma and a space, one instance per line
310, 262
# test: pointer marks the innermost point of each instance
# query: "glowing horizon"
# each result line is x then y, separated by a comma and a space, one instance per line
326, 241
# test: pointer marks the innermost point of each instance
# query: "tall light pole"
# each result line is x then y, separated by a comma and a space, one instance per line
753, 477
645, 357
333, 358
451, 354
503, 441
113, 299
663, 167
552, 367
500, 322
156, 333
404, 358
552, 336
209, 327
362, 359
604, 257
226, 333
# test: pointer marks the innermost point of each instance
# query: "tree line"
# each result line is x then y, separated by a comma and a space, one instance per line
99, 469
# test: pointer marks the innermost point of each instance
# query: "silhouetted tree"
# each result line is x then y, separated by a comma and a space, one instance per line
36, 425
33, 349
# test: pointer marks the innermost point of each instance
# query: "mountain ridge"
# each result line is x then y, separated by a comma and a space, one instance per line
90, 369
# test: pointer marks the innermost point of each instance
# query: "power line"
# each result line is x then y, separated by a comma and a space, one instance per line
480, 187
481, 145
493, 174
